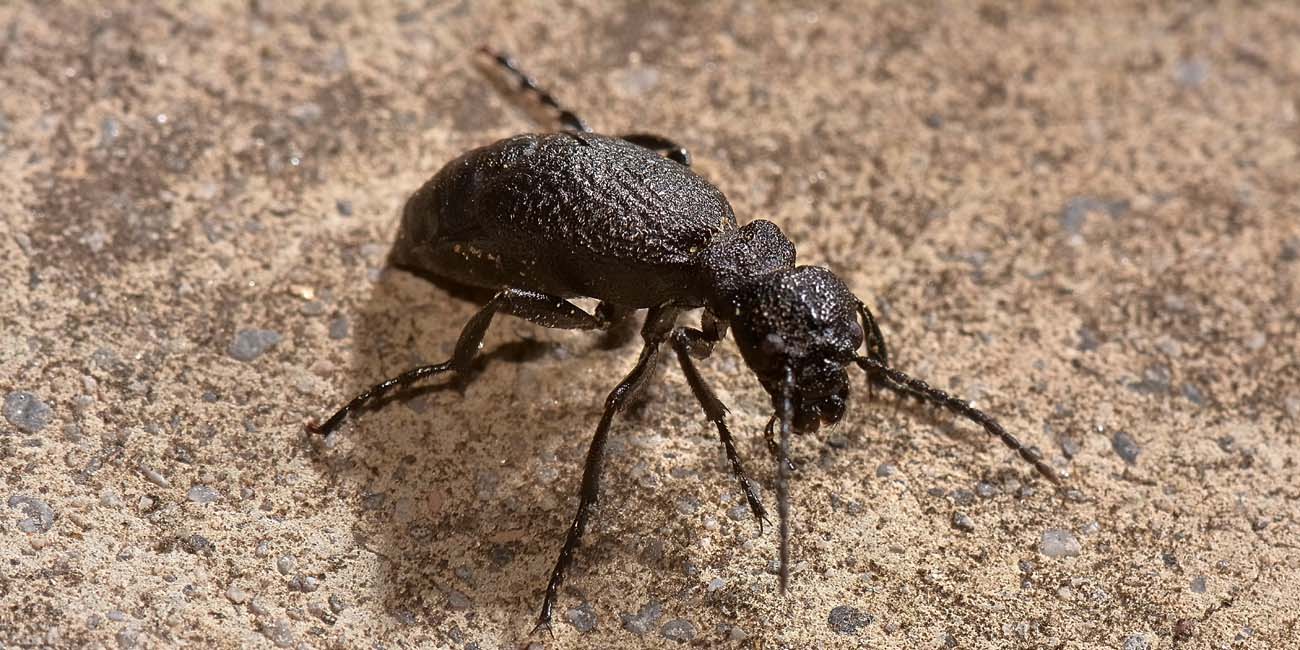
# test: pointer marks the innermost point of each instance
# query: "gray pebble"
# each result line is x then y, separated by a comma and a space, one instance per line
642, 621
39, 515
886, 470
1059, 543
986, 490
846, 620
458, 600
344, 207
1191, 72
1136, 642
1126, 447
235, 594
738, 512
339, 328
582, 617
251, 344
285, 564
962, 522
1198, 584
202, 494
963, 497
26, 411
278, 632
716, 584
258, 607
127, 637
337, 605
678, 629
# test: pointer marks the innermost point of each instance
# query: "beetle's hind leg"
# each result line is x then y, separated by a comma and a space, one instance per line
568, 118
660, 144
542, 309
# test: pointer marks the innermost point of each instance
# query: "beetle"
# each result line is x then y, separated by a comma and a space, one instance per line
543, 218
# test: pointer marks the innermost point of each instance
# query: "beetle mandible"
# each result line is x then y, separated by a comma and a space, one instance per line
542, 218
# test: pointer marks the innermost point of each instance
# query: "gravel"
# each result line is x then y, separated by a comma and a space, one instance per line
202, 494
1126, 447
582, 617
846, 620
643, 621
961, 521
251, 344
678, 629
26, 411
39, 516
1059, 543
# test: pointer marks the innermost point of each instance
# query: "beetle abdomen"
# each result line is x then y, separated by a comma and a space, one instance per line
566, 213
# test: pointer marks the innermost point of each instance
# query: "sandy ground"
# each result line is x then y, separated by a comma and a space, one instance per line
1085, 219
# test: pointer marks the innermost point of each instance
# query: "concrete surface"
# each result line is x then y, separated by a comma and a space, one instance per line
1083, 217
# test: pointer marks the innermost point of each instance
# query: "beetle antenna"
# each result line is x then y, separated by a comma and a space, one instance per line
784, 414
904, 383
528, 83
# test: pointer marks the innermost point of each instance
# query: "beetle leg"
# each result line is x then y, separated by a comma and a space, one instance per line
567, 117
539, 308
660, 144
716, 412
658, 324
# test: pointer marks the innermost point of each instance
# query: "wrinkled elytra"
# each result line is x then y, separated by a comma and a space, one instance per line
542, 218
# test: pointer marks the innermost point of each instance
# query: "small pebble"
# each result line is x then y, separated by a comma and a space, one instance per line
645, 618
202, 494
962, 522
846, 620
582, 617
337, 605
716, 584
235, 594
1136, 642
986, 490
1198, 584
257, 607
278, 632
26, 411
285, 564
1126, 447
251, 344
458, 600
344, 207
39, 516
116, 615
339, 328
886, 470
1059, 543
678, 629
319, 611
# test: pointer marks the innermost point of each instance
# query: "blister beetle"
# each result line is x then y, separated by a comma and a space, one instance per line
543, 218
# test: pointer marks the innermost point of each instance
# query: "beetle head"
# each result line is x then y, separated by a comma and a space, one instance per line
801, 325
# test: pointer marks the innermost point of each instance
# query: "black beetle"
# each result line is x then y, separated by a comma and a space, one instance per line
541, 218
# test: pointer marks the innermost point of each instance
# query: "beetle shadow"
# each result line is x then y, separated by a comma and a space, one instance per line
441, 477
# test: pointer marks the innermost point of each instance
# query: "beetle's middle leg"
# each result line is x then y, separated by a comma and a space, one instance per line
658, 324
542, 309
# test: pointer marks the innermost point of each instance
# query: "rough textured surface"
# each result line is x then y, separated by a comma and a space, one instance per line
1082, 218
